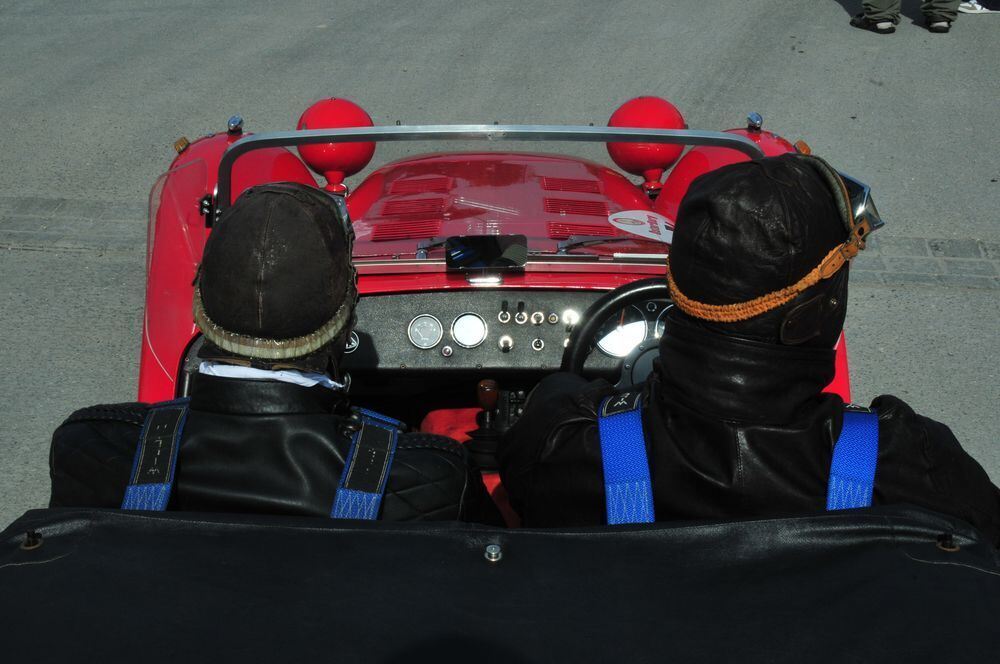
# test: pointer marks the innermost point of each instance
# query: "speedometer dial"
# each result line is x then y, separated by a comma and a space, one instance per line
622, 332
425, 331
469, 330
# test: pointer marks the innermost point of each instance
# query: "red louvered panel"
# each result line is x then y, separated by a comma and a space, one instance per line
422, 206
436, 185
560, 230
405, 230
571, 184
571, 206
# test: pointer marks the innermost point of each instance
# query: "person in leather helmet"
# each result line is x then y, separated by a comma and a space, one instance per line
269, 427
734, 416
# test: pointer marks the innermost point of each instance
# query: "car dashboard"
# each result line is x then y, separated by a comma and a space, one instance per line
411, 353
491, 330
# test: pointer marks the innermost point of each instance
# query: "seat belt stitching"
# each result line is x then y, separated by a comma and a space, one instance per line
854, 463
627, 484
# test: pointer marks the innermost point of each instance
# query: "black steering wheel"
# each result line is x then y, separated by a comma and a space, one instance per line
584, 335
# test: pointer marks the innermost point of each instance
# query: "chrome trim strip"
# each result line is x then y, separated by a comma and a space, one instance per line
474, 132
630, 266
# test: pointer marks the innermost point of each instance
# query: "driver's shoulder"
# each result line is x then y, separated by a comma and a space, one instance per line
568, 390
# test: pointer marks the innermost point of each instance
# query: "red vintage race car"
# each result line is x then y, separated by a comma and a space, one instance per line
588, 295
483, 266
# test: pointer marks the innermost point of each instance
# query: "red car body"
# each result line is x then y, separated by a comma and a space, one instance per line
548, 198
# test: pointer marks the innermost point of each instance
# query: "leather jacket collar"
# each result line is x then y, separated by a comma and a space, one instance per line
241, 396
737, 379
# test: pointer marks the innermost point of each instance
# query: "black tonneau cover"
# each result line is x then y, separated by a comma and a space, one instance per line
874, 586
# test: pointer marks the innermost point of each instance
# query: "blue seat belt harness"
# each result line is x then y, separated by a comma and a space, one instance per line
366, 468
359, 493
628, 490
852, 471
155, 460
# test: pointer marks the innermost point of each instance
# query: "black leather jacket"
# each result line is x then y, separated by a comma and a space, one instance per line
733, 429
265, 447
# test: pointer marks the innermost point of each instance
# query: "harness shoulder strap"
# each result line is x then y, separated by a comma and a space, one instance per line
855, 454
628, 490
152, 477
366, 468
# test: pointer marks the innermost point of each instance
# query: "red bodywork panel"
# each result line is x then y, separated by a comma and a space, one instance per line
701, 160
545, 197
177, 234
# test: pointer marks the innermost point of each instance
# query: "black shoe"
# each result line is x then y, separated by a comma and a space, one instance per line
940, 26
881, 27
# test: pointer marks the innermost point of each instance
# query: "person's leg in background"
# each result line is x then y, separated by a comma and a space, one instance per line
939, 14
879, 16
883, 10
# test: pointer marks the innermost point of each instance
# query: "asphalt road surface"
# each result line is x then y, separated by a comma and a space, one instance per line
92, 96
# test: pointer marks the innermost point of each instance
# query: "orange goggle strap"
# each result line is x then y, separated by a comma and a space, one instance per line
731, 313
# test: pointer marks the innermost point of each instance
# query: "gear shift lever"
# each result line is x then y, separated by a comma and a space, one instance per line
483, 441
488, 395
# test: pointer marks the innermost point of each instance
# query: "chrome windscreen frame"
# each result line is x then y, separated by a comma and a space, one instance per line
552, 133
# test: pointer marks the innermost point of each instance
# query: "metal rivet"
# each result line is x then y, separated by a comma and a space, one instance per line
493, 553
33, 540
946, 542
834, 301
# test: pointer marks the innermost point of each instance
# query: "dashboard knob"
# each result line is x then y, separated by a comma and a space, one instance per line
537, 318
520, 318
505, 343
537, 344
570, 317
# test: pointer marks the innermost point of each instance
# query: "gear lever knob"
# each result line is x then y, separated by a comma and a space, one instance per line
488, 395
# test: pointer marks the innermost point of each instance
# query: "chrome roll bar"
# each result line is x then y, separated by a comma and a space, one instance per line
477, 132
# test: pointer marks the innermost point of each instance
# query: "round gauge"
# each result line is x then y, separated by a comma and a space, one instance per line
425, 331
661, 321
469, 330
622, 332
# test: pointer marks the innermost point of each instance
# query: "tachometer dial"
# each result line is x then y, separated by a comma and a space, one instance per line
469, 330
425, 331
661, 321
622, 332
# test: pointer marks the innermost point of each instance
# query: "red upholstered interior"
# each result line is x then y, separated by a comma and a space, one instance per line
452, 422
457, 423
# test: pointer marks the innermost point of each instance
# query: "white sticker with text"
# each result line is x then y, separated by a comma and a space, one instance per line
645, 224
